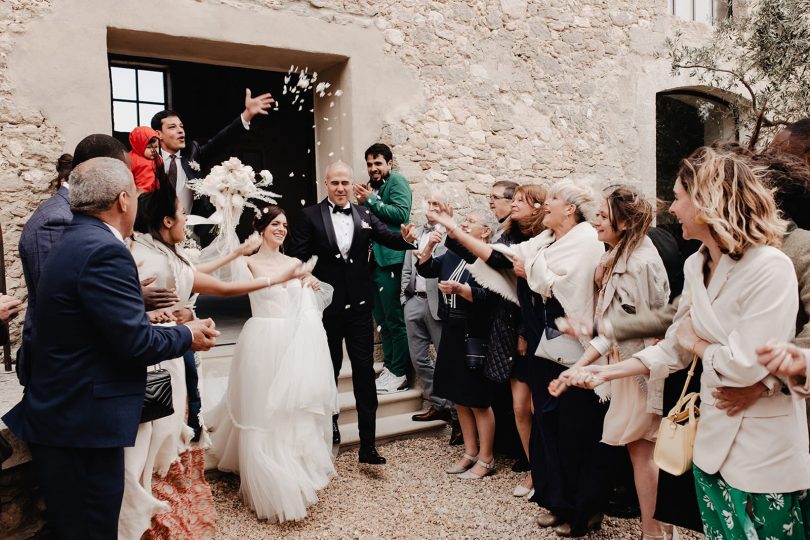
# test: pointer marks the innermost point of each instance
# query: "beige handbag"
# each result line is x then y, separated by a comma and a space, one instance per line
676, 434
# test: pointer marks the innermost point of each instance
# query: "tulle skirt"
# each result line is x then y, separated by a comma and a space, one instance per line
274, 424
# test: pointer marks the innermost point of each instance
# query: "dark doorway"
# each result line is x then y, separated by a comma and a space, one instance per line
208, 97
685, 121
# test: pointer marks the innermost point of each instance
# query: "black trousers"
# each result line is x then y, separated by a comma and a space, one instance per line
83, 489
354, 326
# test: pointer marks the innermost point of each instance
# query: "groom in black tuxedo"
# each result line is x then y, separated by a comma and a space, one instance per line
340, 234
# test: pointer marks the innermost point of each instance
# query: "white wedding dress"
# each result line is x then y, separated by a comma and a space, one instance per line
274, 424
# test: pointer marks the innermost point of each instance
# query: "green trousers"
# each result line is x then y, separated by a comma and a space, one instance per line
731, 514
390, 318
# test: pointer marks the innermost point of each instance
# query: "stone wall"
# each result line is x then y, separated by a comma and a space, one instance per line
507, 89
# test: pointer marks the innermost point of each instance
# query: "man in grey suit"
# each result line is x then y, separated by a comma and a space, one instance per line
420, 302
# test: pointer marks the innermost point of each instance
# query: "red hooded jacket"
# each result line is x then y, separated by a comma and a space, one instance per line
143, 169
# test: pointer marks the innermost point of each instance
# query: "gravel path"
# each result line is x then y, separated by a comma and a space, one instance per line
409, 498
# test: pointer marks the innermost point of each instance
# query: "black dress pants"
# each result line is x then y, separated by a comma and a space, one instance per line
354, 326
83, 489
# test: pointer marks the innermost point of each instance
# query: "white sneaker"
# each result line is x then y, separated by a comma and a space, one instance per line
392, 384
382, 378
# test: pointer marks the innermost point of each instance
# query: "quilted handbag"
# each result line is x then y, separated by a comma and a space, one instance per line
157, 401
676, 434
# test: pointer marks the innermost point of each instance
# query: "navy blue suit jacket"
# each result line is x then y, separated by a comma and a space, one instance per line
39, 235
94, 341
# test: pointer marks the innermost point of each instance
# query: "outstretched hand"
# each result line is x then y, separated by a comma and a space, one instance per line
409, 233
782, 359
256, 105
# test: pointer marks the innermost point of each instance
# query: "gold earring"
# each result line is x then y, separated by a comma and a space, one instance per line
699, 220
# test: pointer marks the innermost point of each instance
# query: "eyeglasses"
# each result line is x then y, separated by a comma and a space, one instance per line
499, 197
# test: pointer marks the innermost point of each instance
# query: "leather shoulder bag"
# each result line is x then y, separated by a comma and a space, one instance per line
676, 434
157, 401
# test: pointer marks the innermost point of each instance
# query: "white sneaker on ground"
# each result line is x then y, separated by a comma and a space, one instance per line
392, 384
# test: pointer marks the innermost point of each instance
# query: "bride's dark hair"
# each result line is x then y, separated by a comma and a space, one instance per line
153, 206
266, 216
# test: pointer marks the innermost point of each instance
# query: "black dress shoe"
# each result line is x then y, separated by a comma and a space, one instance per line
456, 437
433, 413
335, 432
370, 456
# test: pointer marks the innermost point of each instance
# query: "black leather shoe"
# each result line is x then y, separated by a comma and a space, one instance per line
456, 438
433, 413
370, 456
335, 432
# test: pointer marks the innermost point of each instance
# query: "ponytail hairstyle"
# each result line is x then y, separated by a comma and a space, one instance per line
63, 167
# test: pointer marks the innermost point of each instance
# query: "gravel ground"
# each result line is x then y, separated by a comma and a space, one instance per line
411, 497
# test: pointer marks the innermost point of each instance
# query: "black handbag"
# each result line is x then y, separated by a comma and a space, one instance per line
475, 352
157, 401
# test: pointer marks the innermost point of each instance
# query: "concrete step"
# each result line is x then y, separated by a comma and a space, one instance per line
407, 401
389, 427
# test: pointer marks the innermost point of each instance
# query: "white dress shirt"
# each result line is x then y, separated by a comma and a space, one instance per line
419, 283
115, 232
344, 229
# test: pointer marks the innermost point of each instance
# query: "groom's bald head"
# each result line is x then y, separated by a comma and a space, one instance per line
339, 183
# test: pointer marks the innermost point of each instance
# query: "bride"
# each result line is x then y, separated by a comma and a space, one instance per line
274, 424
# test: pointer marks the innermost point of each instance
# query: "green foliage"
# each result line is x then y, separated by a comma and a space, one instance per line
762, 54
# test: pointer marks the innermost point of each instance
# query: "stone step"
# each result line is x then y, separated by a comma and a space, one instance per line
344, 383
389, 427
407, 401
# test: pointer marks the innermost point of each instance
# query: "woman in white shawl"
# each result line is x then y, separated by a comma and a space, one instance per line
751, 469
630, 279
181, 500
568, 470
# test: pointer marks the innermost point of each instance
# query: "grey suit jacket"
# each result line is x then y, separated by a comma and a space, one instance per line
408, 285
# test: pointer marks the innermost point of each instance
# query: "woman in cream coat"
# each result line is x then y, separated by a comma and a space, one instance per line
631, 278
751, 469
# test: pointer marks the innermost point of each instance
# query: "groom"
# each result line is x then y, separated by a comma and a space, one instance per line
340, 234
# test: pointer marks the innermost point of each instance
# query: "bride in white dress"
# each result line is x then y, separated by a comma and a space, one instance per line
274, 424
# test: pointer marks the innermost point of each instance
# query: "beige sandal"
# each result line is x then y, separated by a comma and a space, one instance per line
458, 469
489, 467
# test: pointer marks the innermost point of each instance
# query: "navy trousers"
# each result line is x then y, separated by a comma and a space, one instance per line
83, 489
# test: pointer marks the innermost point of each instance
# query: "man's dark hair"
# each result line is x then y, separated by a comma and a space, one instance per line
380, 149
157, 120
508, 186
789, 178
99, 145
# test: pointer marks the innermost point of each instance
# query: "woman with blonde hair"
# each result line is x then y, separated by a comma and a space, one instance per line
751, 469
631, 278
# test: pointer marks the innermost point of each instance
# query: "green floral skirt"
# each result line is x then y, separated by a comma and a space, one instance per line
731, 514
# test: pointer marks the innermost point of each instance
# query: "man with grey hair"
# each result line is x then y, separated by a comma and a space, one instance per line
420, 302
85, 395
340, 234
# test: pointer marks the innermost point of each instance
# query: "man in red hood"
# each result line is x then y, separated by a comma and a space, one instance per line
145, 157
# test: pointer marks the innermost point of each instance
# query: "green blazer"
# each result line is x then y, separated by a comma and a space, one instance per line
393, 206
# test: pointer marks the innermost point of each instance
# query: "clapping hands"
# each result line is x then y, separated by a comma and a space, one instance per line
361, 192
409, 233
250, 246
442, 213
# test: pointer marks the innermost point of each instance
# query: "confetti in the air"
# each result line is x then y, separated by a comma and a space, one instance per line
292, 174
303, 202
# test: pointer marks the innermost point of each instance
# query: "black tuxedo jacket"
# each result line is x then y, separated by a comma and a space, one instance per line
94, 341
314, 234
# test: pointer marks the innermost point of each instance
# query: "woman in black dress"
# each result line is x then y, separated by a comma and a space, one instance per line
463, 309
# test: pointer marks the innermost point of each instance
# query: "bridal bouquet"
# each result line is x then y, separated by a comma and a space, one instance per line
230, 187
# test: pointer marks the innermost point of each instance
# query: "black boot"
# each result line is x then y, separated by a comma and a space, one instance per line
369, 455
335, 432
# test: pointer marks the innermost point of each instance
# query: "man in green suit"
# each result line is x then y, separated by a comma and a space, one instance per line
388, 196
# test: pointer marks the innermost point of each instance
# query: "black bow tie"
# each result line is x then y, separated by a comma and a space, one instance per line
377, 184
337, 210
